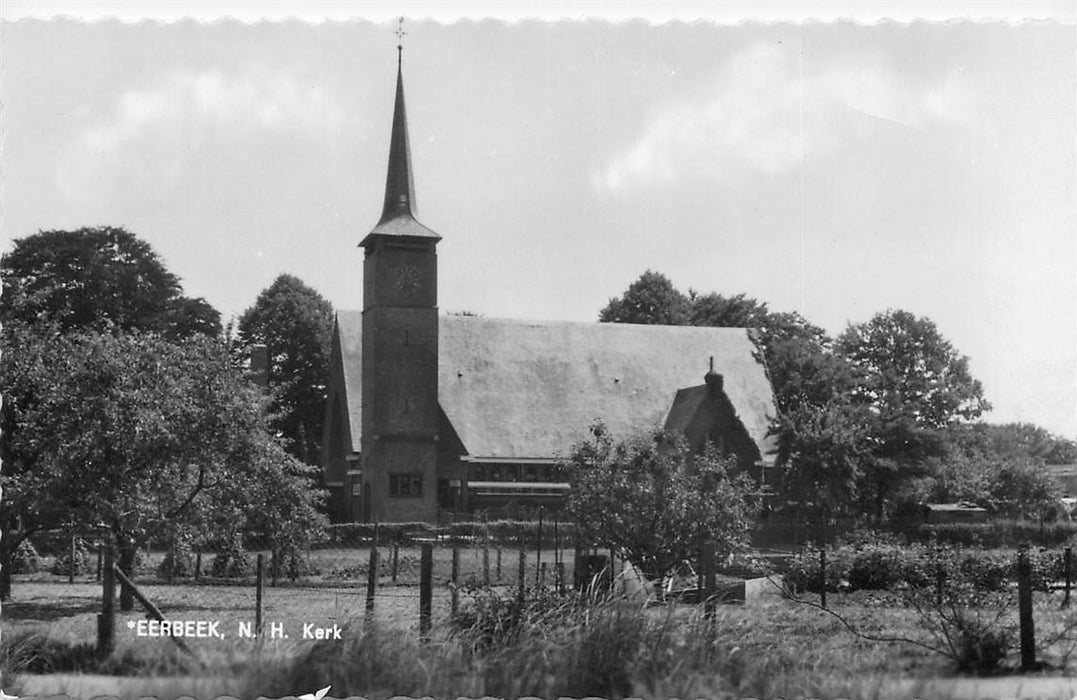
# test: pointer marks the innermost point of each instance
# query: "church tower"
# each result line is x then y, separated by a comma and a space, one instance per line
399, 349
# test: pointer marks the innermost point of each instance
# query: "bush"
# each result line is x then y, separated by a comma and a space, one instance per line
179, 560
291, 562
803, 573
82, 563
878, 567
981, 645
233, 561
25, 560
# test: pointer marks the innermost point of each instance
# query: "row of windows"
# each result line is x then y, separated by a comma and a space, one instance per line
515, 472
410, 485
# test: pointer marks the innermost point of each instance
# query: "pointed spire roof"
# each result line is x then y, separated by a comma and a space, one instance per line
398, 216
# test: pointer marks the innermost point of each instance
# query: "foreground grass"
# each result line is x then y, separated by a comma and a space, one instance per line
612, 648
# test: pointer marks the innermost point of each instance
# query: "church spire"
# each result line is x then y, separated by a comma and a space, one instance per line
399, 183
399, 211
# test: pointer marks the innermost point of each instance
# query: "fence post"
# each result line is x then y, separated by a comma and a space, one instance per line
1024, 605
486, 560
71, 559
708, 565
822, 576
499, 564
259, 583
396, 560
454, 592
523, 565
559, 572
426, 587
106, 621
371, 579
1067, 563
197, 566
538, 554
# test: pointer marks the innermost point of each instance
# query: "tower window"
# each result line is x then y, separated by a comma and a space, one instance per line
406, 485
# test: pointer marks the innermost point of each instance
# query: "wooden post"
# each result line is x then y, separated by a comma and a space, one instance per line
150, 608
523, 565
371, 579
426, 587
558, 555
396, 560
613, 573
1024, 611
106, 621
71, 559
538, 553
486, 561
259, 583
1067, 564
454, 591
708, 565
822, 576
559, 573
499, 564
197, 566
542, 575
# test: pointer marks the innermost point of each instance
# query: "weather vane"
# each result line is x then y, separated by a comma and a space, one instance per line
400, 34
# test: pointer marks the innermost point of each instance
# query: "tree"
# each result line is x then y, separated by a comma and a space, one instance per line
97, 278
917, 386
653, 500
133, 433
912, 371
652, 299
295, 323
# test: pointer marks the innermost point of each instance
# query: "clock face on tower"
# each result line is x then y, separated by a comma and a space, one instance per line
407, 280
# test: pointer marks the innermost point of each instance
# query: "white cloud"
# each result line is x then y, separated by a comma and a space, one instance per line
767, 109
187, 111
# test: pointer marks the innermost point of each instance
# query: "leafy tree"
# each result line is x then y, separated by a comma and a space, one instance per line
98, 278
295, 323
134, 433
652, 299
655, 501
911, 371
822, 451
917, 386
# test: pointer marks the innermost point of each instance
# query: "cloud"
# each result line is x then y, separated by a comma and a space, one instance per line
187, 111
767, 109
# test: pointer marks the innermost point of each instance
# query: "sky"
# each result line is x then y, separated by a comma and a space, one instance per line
834, 168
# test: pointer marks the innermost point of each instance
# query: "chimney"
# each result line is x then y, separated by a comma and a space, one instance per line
712, 379
260, 365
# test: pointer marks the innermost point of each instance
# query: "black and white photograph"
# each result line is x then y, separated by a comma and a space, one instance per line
490, 349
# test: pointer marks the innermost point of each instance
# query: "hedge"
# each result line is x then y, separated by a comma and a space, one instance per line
506, 533
889, 566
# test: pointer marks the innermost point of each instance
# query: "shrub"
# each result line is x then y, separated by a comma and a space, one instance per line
878, 567
233, 561
179, 560
803, 573
291, 562
81, 564
25, 560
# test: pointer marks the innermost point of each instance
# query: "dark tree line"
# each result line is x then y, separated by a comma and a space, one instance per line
875, 419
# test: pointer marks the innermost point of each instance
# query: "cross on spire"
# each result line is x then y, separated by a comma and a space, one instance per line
400, 34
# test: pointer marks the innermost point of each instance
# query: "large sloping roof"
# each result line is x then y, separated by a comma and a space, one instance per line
530, 389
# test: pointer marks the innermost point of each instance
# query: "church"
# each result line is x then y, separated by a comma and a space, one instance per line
431, 416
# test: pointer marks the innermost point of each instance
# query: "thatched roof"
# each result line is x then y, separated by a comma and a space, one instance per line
530, 389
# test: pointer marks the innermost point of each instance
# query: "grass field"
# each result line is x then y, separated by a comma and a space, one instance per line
764, 648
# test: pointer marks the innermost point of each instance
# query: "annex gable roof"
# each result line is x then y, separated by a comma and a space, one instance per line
516, 389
